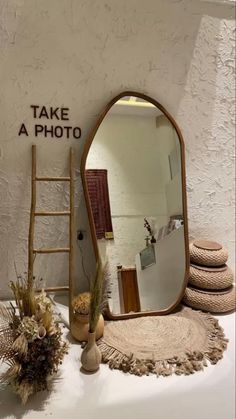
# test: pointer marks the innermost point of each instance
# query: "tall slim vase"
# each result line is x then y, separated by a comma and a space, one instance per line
91, 356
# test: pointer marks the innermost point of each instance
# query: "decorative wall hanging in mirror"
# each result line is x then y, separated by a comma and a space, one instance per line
133, 173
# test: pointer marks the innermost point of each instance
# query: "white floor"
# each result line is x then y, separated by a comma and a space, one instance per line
113, 394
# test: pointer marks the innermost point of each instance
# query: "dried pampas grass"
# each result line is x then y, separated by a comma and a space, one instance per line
100, 292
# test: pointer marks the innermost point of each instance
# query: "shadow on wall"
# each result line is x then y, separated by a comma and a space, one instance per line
207, 112
13, 213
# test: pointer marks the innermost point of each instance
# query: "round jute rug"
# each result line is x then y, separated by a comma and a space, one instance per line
178, 343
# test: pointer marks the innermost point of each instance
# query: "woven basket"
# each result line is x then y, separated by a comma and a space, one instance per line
214, 302
212, 280
207, 257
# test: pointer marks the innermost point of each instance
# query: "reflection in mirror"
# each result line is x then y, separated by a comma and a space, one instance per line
134, 181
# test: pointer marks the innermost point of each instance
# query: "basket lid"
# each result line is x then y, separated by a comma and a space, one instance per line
207, 245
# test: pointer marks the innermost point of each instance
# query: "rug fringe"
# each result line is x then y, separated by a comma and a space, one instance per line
191, 362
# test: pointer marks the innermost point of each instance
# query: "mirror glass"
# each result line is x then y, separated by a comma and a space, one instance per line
134, 181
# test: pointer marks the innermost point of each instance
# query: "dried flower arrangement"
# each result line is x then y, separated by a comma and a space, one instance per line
100, 291
30, 340
91, 356
81, 303
99, 294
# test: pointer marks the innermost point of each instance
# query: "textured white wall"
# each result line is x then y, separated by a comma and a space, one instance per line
80, 55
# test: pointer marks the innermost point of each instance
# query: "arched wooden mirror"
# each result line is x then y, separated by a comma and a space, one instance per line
133, 173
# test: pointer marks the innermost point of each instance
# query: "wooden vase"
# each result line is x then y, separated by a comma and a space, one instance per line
91, 356
80, 327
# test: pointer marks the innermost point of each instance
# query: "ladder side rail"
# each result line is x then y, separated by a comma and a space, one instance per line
32, 219
71, 235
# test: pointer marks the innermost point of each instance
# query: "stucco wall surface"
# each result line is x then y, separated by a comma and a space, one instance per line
80, 55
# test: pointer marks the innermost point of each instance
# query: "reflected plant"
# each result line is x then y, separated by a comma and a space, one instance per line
100, 293
81, 303
150, 229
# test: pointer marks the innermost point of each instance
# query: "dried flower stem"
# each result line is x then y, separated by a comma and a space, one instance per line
96, 297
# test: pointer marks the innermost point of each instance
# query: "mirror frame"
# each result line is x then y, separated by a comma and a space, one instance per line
87, 146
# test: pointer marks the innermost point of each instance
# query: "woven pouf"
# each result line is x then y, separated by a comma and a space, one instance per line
214, 302
207, 253
210, 278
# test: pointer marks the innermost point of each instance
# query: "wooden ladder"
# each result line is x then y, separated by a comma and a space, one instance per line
32, 252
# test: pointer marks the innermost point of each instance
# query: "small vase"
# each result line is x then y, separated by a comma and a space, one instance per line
79, 327
91, 356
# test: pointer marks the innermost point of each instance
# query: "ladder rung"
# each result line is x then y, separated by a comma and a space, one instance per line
53, 289
56, 250
50, 178
42, 214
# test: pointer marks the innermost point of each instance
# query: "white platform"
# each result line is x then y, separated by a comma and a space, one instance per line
113, 394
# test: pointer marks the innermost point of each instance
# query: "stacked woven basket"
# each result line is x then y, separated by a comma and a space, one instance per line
210, 286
